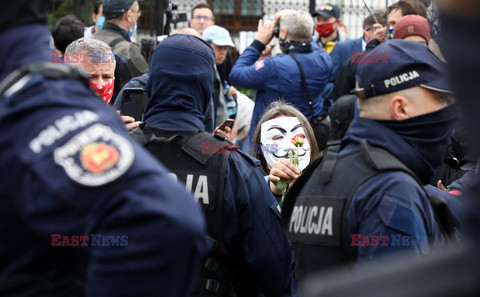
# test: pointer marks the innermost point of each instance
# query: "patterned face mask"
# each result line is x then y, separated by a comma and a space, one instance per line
105, 92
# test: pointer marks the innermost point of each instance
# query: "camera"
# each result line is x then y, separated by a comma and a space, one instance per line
276, 30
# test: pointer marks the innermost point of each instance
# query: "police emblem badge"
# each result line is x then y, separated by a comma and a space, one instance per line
95, 156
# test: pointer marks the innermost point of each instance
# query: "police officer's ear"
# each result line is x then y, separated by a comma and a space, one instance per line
400, 108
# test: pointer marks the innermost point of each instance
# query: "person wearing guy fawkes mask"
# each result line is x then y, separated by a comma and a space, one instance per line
371, 185
279, 77
120, 26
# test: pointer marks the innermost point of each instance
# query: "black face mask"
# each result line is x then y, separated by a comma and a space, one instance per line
284, 45
294, 46
428, 134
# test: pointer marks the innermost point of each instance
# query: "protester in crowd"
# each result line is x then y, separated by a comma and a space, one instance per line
410, 7
120, 24
328, 26
272, 140
98, 19
395, 145
280, 77
202, 18
65, 31
224, 96
344, 50
346, 57
96, 58
89, 212
240, 209
402, 8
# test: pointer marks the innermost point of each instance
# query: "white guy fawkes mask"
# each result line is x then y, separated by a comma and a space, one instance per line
276, 138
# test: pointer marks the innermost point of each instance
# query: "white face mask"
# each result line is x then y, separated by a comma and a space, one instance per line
276, 138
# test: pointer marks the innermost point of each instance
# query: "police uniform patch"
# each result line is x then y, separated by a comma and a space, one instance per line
96, 156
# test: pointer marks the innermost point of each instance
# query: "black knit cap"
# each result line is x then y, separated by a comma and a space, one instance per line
113, 9
22, 12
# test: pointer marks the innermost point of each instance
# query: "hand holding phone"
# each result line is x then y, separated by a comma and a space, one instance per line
225, 128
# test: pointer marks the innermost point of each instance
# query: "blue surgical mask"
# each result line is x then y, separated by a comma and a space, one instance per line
101, 20
390, 32
131, 31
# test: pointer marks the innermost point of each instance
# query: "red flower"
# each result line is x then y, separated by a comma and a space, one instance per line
298, 140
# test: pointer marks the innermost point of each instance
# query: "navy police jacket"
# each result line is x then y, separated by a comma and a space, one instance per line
391, 204
75, 188
180, 86
278, 77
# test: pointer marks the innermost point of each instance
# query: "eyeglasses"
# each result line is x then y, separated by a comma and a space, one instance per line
139, 12
199, 17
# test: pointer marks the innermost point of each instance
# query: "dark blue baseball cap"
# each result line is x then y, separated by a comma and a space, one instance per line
328, 10
397, 65
113, 9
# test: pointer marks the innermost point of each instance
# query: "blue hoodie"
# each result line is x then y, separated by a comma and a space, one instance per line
47, 132
180, 86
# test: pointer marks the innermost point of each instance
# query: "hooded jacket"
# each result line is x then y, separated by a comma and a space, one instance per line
180, 89
47, 203
391, 204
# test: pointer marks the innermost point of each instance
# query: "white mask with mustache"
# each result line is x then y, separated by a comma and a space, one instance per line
276, 138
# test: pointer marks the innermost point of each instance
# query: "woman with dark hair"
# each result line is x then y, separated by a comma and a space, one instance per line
272, 140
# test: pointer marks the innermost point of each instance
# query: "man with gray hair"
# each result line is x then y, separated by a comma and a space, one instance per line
96, 58
298, 76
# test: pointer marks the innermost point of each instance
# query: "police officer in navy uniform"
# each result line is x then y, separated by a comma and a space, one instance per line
249, 246
365, 199
84, 210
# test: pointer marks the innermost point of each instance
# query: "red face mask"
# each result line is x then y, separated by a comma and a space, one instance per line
325, 30
105, 92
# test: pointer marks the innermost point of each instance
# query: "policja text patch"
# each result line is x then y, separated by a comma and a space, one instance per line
316, 220
95, 156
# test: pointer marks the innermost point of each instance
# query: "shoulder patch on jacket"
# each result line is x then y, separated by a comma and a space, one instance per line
259, 64
95, 156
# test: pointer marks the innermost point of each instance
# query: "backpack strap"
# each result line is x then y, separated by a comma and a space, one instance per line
116, 41
304, 84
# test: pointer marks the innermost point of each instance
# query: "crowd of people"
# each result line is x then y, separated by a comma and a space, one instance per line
131, 173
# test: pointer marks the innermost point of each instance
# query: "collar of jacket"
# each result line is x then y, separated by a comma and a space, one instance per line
300, 47
113, 27
380, 136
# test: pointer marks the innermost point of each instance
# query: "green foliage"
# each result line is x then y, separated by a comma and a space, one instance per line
250, 93
282, 185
